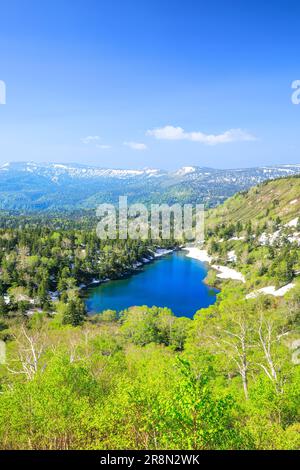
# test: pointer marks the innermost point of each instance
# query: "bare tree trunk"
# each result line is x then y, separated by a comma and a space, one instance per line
244, 368
245, 383
266, 341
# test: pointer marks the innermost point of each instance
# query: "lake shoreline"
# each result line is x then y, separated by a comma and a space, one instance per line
203, 256
134, 269
176, 283
223, 272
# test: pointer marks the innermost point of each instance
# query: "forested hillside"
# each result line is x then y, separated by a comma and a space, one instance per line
261, 204
258, 233
36, 187
143, 378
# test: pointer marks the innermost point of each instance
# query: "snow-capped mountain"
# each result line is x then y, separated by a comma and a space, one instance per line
56, 170
185, 170
43, 186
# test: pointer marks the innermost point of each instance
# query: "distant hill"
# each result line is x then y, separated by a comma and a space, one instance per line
260, 204
28, 186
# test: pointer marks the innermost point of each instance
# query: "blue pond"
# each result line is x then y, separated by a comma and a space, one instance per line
174, 281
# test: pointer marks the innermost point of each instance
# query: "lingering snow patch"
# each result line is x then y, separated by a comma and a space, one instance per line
196, 253
59, 165
228, 273
231, 256
95, 281
137, 265
271, 290
161, 252
185, 170
152, 172
292, 223
294, 201
295, 238
265, 239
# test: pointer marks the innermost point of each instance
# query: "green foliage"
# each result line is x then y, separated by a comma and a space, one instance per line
144, 378
154, 381
74, 313
143, 325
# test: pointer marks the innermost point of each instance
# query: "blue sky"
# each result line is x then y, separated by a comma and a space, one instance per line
127, 83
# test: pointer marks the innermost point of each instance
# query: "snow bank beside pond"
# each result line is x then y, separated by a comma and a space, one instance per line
271, 290
158, 253
196, 253
161, 252
228, 273
224, 272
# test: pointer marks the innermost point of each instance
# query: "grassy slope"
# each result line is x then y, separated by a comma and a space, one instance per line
260, 204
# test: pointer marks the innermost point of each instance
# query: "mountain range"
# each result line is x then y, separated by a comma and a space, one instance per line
30, 186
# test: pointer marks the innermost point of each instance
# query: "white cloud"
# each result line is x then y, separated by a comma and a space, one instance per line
89, 139
135, 145
167, 133
178, 133
103, 146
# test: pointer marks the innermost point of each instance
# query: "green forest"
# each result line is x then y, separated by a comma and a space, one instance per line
143, 378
